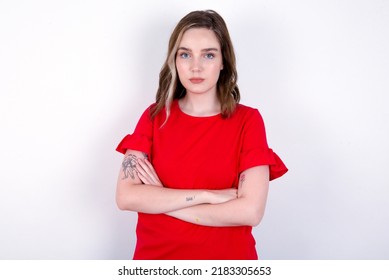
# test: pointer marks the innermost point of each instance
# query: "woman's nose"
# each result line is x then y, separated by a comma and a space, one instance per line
196, 64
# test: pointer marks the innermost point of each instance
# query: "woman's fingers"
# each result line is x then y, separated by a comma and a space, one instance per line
150, 167
143, 178
147, 173
143, 173
153, 172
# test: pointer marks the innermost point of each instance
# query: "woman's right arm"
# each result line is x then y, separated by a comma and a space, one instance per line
133, 195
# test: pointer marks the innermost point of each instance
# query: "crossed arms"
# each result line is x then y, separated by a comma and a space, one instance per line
139, 189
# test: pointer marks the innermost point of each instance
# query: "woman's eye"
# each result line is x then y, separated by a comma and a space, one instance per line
209, 55
184, 55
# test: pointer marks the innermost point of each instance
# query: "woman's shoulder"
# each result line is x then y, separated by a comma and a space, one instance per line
246, 111
150, 110
245, 114
244, 108
151, 107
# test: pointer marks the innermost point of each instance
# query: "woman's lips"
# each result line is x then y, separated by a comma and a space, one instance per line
196, 80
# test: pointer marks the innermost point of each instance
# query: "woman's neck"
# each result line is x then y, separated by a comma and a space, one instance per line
200, 105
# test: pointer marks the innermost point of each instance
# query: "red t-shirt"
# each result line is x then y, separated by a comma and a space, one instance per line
199, 153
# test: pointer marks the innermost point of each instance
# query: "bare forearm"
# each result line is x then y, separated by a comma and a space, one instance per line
236, 212
155, 200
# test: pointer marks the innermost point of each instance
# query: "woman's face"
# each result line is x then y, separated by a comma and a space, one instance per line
199, 61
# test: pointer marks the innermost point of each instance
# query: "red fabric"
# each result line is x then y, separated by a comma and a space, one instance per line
199, 153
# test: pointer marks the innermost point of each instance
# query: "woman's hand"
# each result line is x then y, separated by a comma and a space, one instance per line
147, 174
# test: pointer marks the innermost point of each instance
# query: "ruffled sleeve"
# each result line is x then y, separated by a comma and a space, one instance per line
142, 138
255, 150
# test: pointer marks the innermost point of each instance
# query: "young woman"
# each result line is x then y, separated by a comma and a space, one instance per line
197, 167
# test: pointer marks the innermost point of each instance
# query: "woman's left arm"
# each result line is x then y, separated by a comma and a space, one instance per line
246, 210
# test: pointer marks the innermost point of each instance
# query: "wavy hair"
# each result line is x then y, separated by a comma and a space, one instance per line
170, 87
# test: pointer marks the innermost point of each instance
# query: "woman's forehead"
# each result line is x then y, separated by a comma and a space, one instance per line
199, 39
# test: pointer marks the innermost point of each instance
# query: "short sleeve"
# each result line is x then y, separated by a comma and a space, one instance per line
255, 150
142, 138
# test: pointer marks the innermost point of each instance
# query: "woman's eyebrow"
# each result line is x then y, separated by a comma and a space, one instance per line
203, 50
184, 49
210, 49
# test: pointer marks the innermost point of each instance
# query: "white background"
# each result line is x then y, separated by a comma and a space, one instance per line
76, 75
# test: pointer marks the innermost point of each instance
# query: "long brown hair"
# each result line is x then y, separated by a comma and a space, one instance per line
170, 87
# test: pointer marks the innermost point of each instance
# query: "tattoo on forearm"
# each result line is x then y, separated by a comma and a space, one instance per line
190, 198
242, 178
129, 166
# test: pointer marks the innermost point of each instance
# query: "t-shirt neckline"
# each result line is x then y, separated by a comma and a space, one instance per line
177, 105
